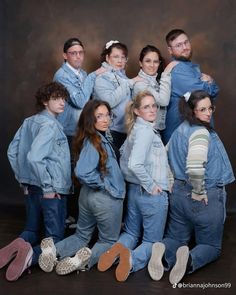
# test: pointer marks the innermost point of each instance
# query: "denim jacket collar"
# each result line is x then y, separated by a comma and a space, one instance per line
120, 73
143, 122
50, 116
147, 77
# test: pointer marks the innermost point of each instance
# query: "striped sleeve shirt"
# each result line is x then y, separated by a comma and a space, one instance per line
196, 161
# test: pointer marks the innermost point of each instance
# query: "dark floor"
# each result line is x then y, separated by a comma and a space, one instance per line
94, 282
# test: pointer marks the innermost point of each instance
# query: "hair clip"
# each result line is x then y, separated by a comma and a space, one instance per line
110, 43
186, 96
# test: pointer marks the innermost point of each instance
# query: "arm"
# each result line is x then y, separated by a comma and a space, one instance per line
37, 157
13, 151
196, 161
188, 79
141, 148
79, 92
86, 169
106, 90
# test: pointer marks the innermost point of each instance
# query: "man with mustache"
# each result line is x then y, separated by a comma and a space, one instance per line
186, 76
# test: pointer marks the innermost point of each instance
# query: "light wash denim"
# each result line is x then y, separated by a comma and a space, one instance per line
87, 171
51, 211
188, 216
143, 157
185, 76
100, 203
114, 87
145, 219
161, 92
218, 170
99, 209
80, 89
39, 154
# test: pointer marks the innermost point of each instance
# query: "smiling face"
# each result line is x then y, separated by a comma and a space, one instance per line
180, 48
75, 56
147, 109
116, 59
150, 63
103, 118
204, 110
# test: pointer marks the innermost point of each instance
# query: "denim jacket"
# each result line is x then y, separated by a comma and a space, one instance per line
218, 170
143, 157
185, 76
80, 90
160, 91
87, 169
39, 154
114, 87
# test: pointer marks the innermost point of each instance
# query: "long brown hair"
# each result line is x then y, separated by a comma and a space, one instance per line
86, 129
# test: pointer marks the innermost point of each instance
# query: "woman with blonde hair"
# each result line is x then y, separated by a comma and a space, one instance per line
145, 168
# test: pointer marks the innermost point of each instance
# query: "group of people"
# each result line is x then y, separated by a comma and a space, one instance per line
150, 139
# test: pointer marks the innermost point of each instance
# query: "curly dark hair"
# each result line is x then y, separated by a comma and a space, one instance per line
186, 108
53, 90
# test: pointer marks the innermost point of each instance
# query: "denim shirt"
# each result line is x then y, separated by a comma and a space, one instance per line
160, 91
185, 76
87, 169
218, 170
80, 90
114, 87
143, 157
39, 154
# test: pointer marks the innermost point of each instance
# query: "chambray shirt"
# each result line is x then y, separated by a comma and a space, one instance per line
185, 76
80, 88
39, 154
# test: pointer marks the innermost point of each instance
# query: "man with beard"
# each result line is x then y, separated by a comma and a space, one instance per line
186, 76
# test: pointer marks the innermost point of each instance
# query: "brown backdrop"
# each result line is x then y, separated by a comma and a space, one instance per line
33, 33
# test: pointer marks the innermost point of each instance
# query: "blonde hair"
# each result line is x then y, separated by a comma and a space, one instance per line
130, 116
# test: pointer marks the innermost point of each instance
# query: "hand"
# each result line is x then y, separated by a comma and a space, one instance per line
100, 70
170, 66
157, 189
138, 79
51, 196
206, 78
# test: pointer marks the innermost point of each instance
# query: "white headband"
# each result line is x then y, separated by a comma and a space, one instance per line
108, 44
186, 96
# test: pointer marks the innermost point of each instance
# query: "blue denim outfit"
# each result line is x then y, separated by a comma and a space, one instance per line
161, 92
144, 165
40, 158
100, 203
185, 76
80, 89
188, 216
114, 87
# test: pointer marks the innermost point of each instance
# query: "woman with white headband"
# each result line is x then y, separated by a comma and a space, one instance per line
201, 169
114, 86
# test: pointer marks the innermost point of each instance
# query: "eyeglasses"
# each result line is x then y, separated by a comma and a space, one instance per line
103, 117
75, 53
149, 108
181, 44
204, 110
117, 57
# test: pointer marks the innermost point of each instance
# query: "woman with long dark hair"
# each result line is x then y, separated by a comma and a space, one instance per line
201, 169
101, 195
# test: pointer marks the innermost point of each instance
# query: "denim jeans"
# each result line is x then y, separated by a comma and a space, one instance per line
145, 220
96, 209
53, 213
188, 217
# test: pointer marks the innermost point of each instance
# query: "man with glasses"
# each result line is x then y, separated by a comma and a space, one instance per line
80, 86
186, 76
